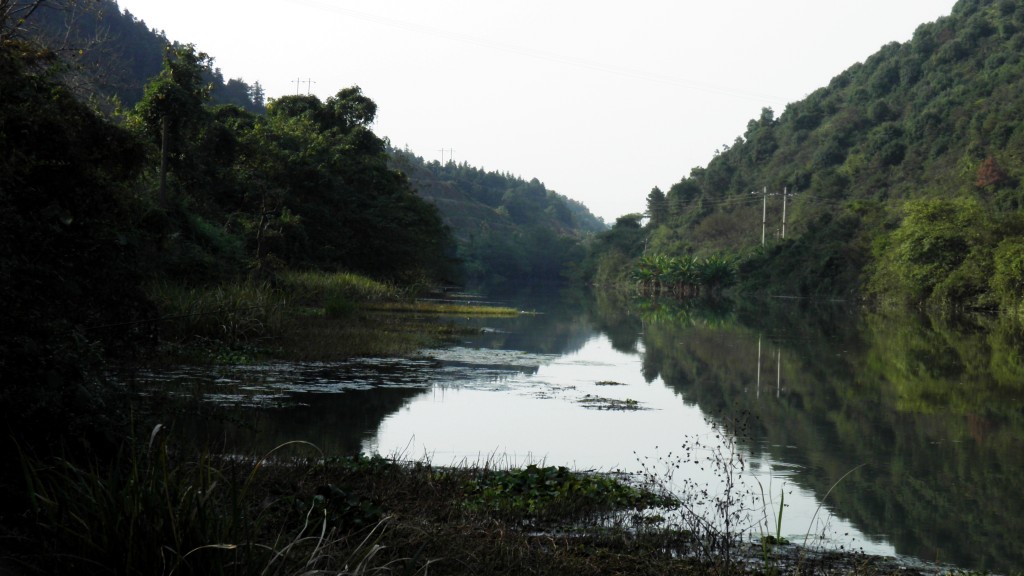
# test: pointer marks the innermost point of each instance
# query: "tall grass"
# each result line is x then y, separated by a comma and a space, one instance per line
317, 288
154, 511
234, 311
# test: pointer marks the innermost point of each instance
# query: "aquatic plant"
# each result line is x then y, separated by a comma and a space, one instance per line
541, 494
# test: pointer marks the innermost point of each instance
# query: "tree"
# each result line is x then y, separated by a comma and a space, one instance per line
172, 110
934, 238
657, 207
349, 109
177, 95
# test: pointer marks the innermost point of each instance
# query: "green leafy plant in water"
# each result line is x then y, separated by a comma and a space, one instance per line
540, 493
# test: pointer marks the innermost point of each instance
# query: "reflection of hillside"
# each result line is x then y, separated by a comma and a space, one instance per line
557, 323
933, 408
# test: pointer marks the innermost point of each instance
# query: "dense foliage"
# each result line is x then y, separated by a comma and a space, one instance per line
97, 208
509, 231
902, 177
307, 184
68, 279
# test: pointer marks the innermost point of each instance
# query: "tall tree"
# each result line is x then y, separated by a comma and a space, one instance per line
657, 207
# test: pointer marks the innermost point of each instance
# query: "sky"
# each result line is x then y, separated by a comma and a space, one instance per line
599, 100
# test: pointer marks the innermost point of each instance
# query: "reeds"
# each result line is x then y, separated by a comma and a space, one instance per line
317, 288
244, 311
445, 309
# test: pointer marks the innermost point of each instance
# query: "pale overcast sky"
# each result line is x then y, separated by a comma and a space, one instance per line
599, 100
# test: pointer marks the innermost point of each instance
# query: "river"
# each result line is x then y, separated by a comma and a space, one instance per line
895, 434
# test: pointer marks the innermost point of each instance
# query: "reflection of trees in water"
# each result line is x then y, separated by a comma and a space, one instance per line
934, 407
558, 322
337, 423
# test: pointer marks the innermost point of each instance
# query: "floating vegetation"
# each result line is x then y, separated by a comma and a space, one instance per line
444, 309
283, 383
600, 403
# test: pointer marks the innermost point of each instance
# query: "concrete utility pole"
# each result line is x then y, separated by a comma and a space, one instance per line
298, 85
309, 85
785, 192
451, 154
764, 215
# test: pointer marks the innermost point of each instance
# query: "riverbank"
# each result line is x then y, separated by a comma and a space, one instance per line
294, 512
305, 316
373, 514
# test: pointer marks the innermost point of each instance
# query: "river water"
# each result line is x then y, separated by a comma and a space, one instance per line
894, 434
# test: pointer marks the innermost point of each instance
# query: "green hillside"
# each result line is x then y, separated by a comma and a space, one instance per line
107, 55
904, 175
509, 231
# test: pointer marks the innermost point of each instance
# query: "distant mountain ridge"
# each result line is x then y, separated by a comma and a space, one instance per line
503, 222
111, 54
466, 194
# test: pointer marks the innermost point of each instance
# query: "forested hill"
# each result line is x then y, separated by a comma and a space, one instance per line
109, 54
508, 229
906, 174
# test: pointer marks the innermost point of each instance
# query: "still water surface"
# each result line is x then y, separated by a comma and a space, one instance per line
928, 414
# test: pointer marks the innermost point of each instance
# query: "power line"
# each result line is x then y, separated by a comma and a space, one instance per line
540, 54
298, 85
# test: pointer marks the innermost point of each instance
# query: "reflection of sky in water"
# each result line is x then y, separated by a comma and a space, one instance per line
510, 408
526, 416
841, 397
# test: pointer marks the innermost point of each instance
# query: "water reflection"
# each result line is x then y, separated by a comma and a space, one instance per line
932, 407
927, 412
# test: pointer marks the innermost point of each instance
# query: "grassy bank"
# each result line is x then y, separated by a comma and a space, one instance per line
156, 511
302, 316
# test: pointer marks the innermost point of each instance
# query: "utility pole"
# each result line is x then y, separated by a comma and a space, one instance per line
163, 160
785, 192
451, 154
309, 85
764, 215
298, 85
758, 365
778, 376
